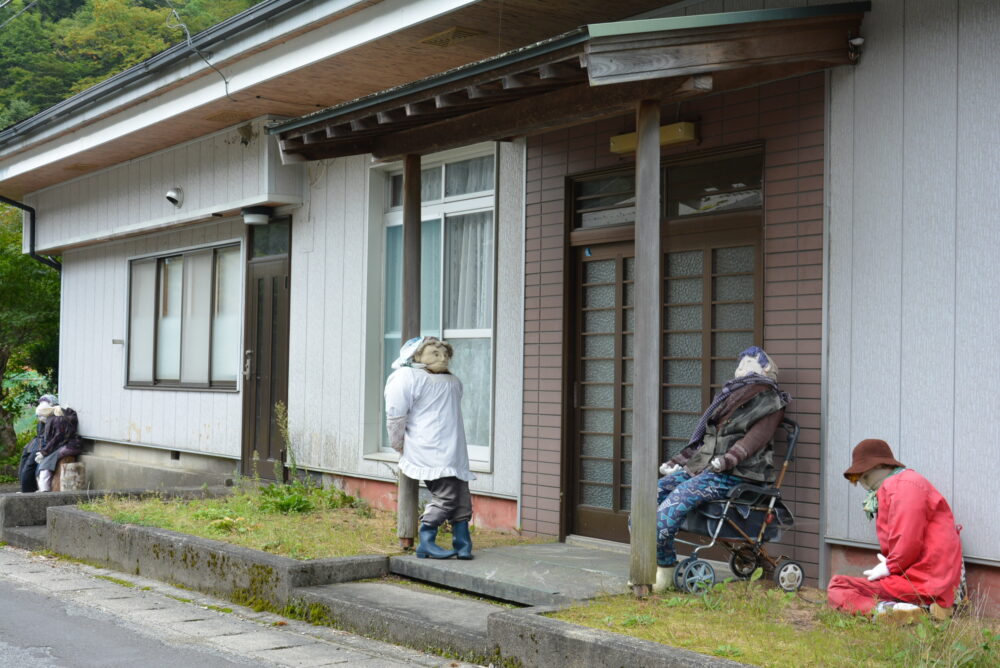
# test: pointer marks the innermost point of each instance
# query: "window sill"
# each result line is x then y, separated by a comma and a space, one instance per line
384, 456
182, 388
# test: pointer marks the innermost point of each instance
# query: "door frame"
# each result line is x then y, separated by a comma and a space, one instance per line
672, 229
248, 395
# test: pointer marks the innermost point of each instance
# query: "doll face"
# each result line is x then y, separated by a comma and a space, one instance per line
434, 356
747, 366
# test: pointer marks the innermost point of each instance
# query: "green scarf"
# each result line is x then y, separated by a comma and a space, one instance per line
870, 504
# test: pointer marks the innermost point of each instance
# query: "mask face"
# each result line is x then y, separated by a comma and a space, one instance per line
867, 480
435, 357
747, 366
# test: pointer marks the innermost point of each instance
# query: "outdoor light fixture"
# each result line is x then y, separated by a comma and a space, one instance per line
675, 133
256, 215
175, 196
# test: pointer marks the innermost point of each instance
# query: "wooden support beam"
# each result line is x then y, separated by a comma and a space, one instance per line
567, 106
362, 124
454, 99
562, 71
648, 336
391, 116
406, 503
421, 108
338, 131
315, 137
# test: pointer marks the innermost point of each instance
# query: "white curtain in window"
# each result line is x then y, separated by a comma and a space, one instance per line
472, 363
168, 320
142, 320
196, 321
469, 176
226, 315
469, 272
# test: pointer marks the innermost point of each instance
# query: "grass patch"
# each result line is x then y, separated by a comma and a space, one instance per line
117, 581
760, 625
298, 520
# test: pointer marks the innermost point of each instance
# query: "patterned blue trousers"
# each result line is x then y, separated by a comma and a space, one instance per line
678, 494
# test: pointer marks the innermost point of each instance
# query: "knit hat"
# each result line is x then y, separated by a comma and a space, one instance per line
48, 399
758, 362
868, 454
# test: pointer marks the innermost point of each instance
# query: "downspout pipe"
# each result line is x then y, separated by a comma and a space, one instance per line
44, 259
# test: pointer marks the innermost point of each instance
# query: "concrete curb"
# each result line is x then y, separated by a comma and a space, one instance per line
538, 642
241, 574
425, 621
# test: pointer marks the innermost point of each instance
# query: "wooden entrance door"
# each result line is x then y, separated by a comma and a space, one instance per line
712, 304
602, 395
265, 363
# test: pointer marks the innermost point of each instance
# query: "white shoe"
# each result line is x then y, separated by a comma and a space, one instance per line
664, 579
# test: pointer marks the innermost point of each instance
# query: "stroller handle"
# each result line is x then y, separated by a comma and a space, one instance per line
791, 427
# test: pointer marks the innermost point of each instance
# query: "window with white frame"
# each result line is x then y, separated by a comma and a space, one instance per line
456, 279
184, 319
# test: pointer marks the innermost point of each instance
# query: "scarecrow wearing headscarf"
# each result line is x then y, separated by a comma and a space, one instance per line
27, 471
920, 563
423, 409
731, 444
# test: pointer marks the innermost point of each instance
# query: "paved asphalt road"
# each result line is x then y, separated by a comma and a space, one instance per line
58, 614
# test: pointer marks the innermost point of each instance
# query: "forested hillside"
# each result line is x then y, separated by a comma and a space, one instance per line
52, 49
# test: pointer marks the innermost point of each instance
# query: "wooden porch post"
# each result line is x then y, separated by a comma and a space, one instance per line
648, 337
406, 501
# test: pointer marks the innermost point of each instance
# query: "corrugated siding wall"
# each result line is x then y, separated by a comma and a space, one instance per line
789, 117
914, 348
222, 171
335, 381
92, 366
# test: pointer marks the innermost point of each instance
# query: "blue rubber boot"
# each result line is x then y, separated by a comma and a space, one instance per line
428, 548
461, 540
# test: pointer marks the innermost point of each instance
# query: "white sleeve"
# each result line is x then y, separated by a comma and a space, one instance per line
399, 393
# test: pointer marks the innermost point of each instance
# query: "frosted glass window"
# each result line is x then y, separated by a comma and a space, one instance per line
142, 321
168, 318
185, 316
196, 323
226, 315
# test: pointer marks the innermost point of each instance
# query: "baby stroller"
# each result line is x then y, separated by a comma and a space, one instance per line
748, 518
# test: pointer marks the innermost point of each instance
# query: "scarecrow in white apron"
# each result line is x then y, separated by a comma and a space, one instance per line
423, 410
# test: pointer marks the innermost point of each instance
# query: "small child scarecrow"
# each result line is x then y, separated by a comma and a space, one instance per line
423, 409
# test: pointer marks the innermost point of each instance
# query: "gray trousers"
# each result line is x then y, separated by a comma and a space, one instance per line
451, 501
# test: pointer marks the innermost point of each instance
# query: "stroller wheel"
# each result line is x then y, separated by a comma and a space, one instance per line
789, 576
679, 573
743, 562
698, 577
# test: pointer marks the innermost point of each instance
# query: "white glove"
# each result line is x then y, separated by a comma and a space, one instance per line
718, 464
667, 468
39, 457
879, 571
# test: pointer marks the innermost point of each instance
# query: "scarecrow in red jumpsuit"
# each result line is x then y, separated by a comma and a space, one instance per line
920, 565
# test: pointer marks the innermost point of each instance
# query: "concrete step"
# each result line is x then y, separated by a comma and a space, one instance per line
406, 615
29, 538
543, 574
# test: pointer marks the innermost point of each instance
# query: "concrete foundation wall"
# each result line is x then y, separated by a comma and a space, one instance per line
116, 466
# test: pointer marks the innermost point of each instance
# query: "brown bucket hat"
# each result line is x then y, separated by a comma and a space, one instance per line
868, 454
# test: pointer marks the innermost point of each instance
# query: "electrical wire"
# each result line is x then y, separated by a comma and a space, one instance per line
26, 8
183, 26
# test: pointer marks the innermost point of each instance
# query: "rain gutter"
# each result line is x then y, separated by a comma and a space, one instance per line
44, 259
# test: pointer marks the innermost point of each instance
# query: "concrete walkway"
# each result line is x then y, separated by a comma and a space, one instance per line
185, 619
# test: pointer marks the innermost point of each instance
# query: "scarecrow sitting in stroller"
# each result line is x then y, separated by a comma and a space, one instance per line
750, 516
725, 476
